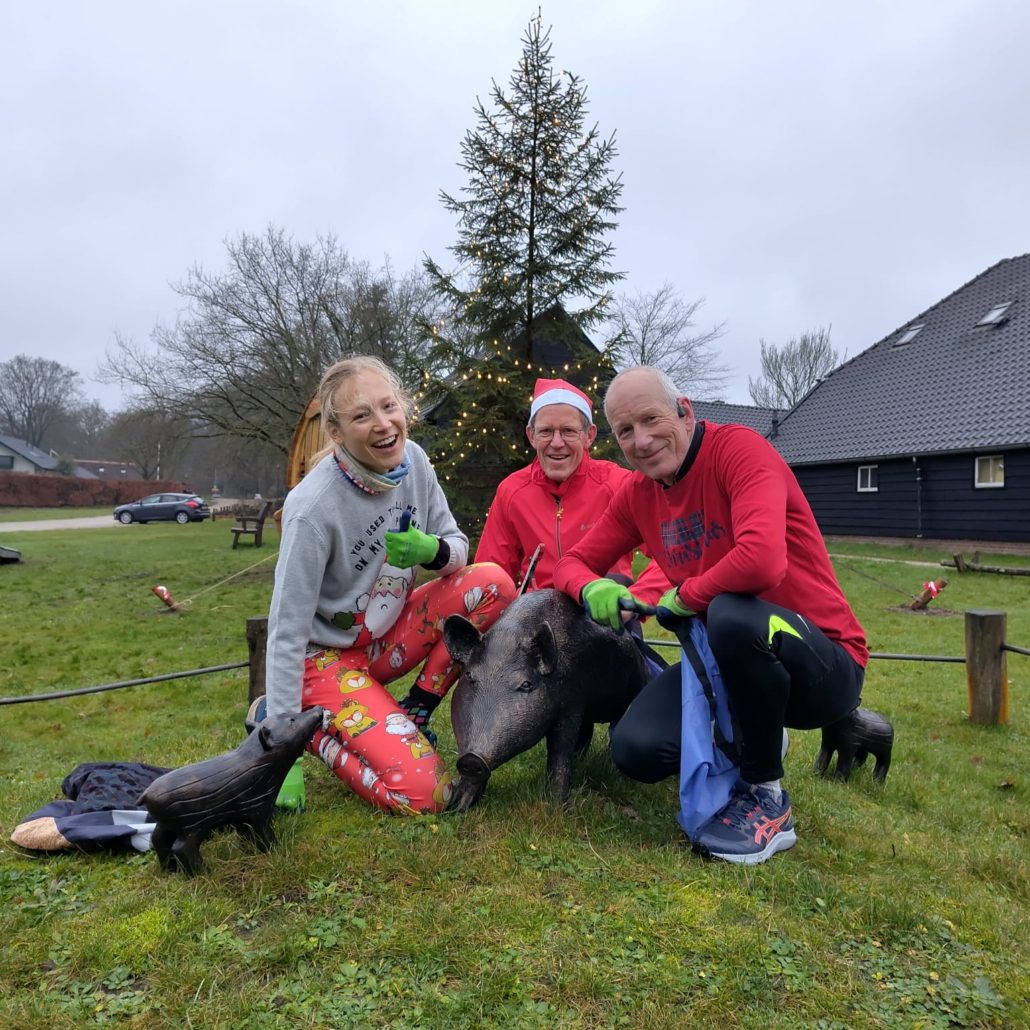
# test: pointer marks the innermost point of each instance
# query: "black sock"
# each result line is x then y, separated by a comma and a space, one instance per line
420, 705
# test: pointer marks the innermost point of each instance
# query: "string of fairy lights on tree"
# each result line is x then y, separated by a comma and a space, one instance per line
481, 428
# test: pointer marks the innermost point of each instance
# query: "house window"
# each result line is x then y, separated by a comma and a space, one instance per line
996, 315
6, 461
990, 471
867, 482
908, 336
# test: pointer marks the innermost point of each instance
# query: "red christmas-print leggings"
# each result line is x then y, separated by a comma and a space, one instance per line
370, 743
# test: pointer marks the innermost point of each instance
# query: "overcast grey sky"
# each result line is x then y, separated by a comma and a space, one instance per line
795, 163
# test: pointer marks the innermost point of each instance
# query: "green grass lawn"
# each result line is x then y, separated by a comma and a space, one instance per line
903, 905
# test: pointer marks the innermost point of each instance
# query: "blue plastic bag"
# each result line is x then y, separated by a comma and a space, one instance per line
708, 766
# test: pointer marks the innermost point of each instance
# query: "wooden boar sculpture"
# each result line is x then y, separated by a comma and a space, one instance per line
237, 789
854, 737
544, 670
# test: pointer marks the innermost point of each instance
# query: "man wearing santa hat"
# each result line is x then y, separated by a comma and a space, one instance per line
559, 496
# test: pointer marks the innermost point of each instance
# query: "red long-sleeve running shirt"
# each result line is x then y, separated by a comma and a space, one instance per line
530, 509
736, 522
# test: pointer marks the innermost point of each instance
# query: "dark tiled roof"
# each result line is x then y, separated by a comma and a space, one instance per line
954, 387
23, 449
756, 418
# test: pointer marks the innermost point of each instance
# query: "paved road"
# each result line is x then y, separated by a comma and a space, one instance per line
86, 522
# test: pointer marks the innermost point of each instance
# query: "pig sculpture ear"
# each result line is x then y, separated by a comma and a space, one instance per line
543, 650
460, 638
265, 736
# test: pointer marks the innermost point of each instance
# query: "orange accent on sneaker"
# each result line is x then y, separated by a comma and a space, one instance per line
767, 828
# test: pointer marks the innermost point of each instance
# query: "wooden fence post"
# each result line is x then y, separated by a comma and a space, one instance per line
257, 637
986, 667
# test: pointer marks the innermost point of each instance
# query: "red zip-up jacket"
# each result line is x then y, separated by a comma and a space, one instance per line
736, 522
530, 509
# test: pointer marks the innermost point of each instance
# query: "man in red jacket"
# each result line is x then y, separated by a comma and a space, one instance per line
726, 520
555, 500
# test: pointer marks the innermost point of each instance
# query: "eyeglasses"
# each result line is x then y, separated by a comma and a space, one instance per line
568, 435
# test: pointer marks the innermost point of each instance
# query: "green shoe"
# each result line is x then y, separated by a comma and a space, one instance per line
291, 793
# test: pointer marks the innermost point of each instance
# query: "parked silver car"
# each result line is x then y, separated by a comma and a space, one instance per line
181, 508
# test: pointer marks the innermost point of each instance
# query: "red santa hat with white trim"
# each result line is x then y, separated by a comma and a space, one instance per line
558, 391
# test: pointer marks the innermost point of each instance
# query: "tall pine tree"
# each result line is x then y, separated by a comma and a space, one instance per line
533, 272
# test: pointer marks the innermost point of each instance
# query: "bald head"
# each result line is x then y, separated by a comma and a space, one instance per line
652, 422
642, 373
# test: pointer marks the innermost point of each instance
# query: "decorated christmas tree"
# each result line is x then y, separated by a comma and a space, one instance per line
533, 275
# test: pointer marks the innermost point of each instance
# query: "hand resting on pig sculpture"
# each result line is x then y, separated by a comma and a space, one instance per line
544, 670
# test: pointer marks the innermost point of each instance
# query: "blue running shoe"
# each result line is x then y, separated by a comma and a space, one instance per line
749, 829
255, 714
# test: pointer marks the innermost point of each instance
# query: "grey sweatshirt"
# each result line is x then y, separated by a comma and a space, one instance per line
333, 587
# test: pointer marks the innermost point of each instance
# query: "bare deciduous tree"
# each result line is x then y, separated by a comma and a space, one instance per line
240, 468
34, 392
656, 329
81, 431
790, 371
245, 356
385, 316
155, 441
93, 421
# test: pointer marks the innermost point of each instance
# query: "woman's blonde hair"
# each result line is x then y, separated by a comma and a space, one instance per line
339, 372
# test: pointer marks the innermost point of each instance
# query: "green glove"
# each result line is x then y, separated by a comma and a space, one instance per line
671, 602
291, 793
601, 599
411, 546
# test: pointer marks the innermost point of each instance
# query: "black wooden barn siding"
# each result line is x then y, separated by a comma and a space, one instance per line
943, 504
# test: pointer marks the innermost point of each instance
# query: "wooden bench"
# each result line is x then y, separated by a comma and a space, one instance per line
251, 525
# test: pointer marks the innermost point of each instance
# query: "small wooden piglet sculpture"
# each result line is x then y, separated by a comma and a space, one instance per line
236, 789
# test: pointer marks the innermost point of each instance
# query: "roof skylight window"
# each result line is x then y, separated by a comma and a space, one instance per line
909, 335
996, 315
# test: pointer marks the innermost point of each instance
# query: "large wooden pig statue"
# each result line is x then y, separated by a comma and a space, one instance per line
543, 670
236, 789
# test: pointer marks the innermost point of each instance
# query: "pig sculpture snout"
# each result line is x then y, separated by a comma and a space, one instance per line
544, 670
469, 788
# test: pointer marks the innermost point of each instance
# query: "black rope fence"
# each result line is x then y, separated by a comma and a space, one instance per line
875, 654
57, 694
54, 695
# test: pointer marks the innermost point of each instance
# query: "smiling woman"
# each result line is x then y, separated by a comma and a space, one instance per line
346, 617
365, 415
